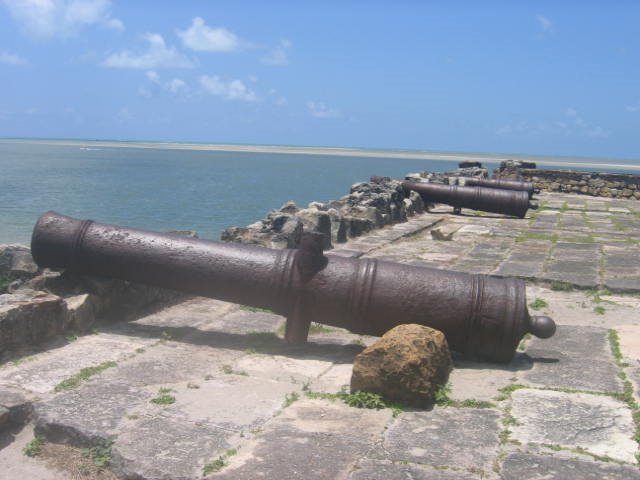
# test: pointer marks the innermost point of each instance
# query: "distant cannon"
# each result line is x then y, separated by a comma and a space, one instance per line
500, 183
480, 315
506, 202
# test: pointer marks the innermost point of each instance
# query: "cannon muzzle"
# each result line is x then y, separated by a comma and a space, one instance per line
480, 315
506, 202
500, 183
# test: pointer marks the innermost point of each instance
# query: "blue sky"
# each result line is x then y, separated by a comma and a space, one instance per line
516, 77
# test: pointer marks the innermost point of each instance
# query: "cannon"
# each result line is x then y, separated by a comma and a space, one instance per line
507, 202
480, 315
500, 183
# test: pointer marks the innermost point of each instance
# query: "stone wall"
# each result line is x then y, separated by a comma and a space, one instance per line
38, 304
614, 185
369, 205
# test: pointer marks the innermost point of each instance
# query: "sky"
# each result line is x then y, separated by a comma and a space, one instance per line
522, 77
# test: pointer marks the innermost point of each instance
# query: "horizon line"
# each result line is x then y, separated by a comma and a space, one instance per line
413, 154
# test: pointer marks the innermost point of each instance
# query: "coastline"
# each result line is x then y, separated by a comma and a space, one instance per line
567, 162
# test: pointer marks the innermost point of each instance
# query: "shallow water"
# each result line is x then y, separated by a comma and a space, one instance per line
166, 189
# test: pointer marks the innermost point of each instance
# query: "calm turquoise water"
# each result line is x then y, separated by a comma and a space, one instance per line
166, 189
171, 189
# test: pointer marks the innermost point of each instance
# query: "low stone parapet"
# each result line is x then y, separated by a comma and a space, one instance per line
611, 185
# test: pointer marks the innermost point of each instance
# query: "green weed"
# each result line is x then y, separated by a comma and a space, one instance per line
506, 392
290, 398
219, 463
164, 397
34, 447
100, 454
83, 375
559, 286
538, 304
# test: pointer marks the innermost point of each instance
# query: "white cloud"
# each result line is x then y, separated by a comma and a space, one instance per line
277, 56
176, 85
320, 110
570, 124
633, 108
12, 59
45, 19
544, 23
231, 90
157, 55
153, 76
203, 38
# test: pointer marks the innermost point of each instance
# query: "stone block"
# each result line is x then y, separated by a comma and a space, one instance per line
466, 438
523, 466
386, 470
28, 317
597, 423
559, 361
163, 448
311, 439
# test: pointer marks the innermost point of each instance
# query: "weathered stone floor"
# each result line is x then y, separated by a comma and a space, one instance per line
211, 386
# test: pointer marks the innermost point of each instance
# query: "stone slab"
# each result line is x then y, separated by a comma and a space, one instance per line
386, 470
422, 437
42, 373
597, 423
523, 466
519, 269
471, 380
577, 357
160, 448
623, 285
311, 439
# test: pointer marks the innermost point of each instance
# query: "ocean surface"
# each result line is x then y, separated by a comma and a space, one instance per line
172, 189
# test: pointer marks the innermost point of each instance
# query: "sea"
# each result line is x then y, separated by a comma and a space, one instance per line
163, 188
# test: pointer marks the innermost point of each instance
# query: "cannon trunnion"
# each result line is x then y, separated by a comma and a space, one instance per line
480, 315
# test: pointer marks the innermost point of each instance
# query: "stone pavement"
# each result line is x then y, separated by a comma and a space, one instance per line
207, 387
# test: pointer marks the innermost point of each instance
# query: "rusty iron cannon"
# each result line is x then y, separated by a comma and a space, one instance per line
500, 183
507, 202
480, 315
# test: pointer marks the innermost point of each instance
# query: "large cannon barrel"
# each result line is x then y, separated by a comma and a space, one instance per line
480, 315
507, 202
500, 183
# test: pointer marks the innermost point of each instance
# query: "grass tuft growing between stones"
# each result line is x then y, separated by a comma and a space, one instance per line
506, 392
523, 343
34, 447
581, 451
100, 454
358, 399
538, 304
290, 398
559, 286
442, 399
525, 236
248, 308
83, 375
229, 370
627, 389
219, 463
164, 397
